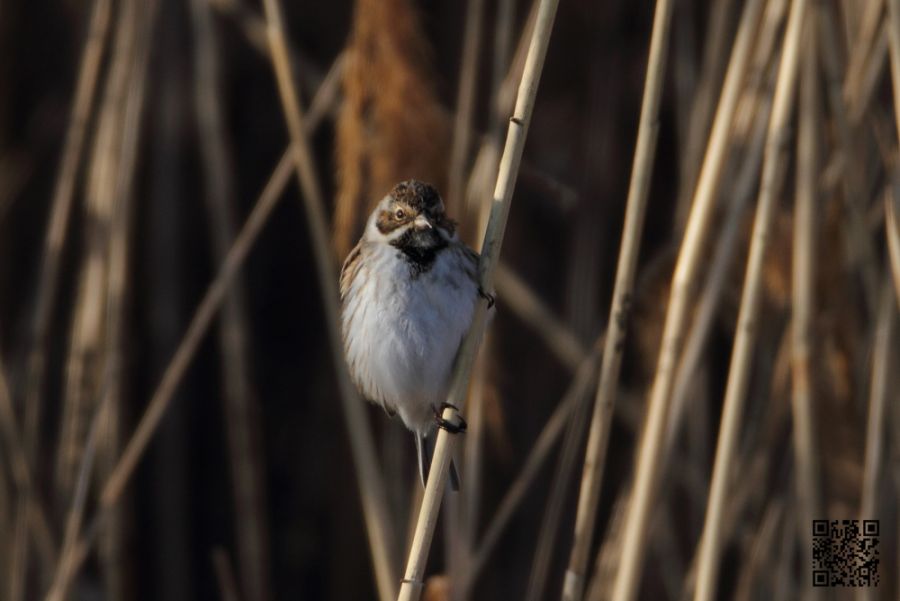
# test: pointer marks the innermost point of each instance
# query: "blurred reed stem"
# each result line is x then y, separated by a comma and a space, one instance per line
523, 301
683, 281
884, 346
241, 418
892, 227
29, 507
91, 388
228, 588
746, 332
199, 325
465, 105
807, 467
703, 101
894, 45
620, 308
857, 239
372, 492
540, 450
559, 489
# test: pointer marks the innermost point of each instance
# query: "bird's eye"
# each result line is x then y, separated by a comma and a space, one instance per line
399, 214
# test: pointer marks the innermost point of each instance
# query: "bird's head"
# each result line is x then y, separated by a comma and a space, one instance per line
411, 217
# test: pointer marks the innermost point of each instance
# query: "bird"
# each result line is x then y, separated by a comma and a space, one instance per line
408, 293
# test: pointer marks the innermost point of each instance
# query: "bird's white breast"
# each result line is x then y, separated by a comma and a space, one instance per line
402, 332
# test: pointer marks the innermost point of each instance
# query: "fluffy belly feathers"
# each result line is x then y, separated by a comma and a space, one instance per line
402, 334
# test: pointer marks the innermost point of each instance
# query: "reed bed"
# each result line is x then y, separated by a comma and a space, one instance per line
697, 297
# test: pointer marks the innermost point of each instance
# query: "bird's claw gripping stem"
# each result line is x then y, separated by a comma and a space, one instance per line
488, 297
452, 428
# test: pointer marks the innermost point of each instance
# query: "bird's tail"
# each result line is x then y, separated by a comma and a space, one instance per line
424, 451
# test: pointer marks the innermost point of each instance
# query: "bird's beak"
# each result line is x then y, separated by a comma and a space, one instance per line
422, 223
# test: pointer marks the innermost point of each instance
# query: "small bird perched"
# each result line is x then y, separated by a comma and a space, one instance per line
408, 294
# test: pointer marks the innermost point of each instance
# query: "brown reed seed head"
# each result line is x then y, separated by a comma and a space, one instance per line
391, 127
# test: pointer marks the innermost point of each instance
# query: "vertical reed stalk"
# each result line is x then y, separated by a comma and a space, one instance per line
806, 456
892, 225
372, 491
559, 489
411, 586
187, 348
540, 450
747, 326
63, 194
465, 104
884, 346
857, 238
604, 402
240, 407
894, 46
48, 278
653, 437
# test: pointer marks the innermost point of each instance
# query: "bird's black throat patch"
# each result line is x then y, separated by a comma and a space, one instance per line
420, 249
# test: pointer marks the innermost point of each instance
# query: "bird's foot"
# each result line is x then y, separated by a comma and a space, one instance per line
453, 428
488, 297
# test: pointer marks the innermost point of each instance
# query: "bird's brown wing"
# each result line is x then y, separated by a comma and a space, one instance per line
350, 268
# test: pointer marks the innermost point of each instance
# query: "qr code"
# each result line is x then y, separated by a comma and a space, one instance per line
845, 553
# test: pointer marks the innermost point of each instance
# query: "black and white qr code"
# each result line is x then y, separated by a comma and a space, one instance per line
845, 553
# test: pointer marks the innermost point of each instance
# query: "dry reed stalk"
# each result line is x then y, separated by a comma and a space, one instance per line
894, 45
754, 108
540, 450
649, 456
413, 582
781, 558
114, 544
228, 588
371, 485
760, 548
708, 304
861, 46
584, 374
184, 354
33, 519
857, 240
607, 560
68, 562
252, 25
702, 104
187, 348
83, 369
201, 321
391, 126
45, 297
240, 403
465, 105
620, 308
559, 489
710, 298
7, 530
199, 325
862, 98
746, 333
876, 439
892, 227
528, 306
803, 266
857, 182
110, 196
751, 489
61, 208
508, 91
